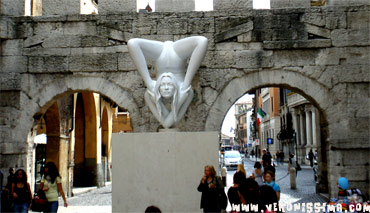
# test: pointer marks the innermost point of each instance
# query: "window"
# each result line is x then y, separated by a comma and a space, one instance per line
266, 106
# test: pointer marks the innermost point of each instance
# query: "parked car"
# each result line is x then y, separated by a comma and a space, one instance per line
232, 158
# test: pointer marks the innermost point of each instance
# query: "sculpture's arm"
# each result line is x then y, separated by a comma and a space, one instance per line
140, 49
194, 47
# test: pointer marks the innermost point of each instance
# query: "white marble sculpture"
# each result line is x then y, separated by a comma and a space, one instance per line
169, 96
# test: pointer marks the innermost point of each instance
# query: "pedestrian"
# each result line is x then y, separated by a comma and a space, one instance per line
233, 192
21, 192
266, 158
51, 184
292, 163
257, 173
267, 196
249, 190
6, 198
269, 167
1, 187
152, 209
310, 157
277, 157
241, 169
268, 177
282, 157
211, 186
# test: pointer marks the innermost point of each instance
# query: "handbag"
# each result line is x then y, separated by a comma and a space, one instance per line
39, 201
298, 167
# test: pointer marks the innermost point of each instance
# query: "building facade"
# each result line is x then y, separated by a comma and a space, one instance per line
300, 117
242, 129
268, 101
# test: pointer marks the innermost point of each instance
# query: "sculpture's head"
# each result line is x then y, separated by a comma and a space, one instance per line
166, 85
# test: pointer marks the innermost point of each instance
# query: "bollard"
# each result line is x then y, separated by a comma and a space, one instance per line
224, 174
292, 178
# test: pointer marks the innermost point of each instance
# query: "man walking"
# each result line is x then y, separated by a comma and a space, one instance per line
310, 157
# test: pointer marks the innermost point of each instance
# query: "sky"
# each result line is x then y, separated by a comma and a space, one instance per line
229, 120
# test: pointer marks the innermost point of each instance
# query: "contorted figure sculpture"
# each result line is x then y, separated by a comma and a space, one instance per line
169, 96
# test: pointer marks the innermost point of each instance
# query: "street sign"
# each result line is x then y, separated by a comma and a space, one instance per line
270, 141
257, 142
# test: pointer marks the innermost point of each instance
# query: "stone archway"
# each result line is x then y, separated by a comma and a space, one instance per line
318, 94
313, 91
44, 95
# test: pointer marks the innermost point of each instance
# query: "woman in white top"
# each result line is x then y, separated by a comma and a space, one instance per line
258, 173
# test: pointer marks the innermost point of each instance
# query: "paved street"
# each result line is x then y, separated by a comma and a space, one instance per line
100, 200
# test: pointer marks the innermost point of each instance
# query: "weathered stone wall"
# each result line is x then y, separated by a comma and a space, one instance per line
174, 5
232, 4
65, 7
323, 53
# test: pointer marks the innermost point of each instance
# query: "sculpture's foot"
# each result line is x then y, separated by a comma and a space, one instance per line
169, 130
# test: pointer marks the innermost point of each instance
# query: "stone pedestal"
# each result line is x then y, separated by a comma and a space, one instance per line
162, 169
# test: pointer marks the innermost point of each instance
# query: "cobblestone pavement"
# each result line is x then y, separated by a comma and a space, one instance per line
95, 201
100, 200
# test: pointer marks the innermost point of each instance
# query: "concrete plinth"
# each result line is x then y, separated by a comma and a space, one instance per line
162, 169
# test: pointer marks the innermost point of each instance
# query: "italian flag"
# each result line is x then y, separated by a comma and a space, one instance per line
260, 115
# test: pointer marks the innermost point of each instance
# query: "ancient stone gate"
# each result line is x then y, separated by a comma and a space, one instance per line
322, 53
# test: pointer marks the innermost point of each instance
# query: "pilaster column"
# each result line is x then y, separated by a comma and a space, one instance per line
302, 129
315, 127
308, 125
295, 124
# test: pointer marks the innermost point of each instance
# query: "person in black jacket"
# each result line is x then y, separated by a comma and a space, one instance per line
210, 186
7, 198
233, 192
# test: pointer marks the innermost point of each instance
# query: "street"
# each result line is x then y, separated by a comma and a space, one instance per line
100, 200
